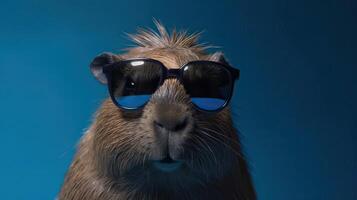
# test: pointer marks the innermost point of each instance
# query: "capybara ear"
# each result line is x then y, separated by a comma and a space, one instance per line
99, 62
218, 57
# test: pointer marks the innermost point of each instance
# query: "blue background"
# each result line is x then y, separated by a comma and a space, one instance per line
295, 102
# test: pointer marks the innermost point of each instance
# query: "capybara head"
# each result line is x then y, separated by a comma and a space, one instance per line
168, 142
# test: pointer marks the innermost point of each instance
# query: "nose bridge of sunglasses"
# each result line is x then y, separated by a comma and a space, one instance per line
173, 73
172, 91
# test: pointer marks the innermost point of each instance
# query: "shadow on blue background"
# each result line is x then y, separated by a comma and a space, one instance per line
295, 102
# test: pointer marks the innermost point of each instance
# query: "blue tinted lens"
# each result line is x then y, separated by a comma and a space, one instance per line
133, 101
209, 84
208, 103
133, 83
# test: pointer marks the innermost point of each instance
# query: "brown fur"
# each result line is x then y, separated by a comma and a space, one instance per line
112, 161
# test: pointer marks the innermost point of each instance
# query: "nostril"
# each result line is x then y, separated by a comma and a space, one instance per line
181, 125
158, 124
173, 125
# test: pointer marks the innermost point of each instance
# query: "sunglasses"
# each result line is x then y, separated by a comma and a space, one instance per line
132, 82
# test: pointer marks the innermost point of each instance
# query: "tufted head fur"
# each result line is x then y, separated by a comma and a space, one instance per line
116, 157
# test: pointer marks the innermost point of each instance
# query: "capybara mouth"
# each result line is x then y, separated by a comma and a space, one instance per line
167, 164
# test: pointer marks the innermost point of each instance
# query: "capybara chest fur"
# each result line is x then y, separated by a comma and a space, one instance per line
168, 148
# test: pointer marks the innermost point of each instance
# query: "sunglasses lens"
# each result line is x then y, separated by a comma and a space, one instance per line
133, 83
208, 84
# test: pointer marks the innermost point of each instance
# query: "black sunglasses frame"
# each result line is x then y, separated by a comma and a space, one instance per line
170, 73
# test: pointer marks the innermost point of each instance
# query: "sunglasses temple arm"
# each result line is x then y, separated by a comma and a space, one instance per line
236, 73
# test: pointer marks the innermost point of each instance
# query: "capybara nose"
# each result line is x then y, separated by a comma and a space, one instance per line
173, 125
170, 117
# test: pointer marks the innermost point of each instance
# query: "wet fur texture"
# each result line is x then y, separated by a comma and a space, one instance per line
113, 157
